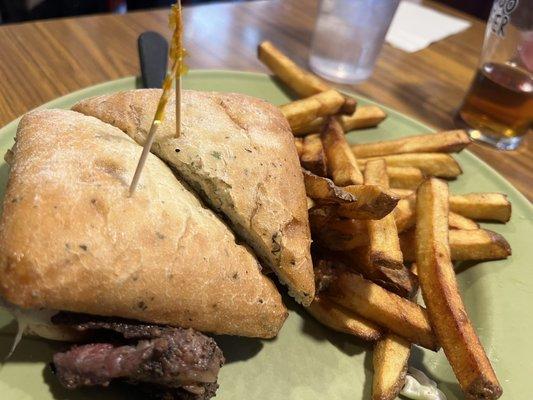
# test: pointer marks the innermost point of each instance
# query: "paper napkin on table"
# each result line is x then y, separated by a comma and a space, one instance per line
415, 27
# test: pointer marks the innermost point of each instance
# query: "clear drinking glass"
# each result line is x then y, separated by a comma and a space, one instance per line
499, 104
348, 37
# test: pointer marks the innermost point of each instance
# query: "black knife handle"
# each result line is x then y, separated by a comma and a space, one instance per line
153, 49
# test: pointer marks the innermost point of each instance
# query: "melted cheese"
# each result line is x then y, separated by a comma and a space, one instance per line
25, 318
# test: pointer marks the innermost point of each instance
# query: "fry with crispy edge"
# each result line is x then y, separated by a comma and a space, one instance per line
301, 112
342, 165
403, 177
386, 309
302, 82
441, 295
476, 206
384, 244
482, 206
324, 190
364, 117
389, 361
433, 164
400, 281
373, 202
313, 157
442, 142
355, 201
474, 245
340, 319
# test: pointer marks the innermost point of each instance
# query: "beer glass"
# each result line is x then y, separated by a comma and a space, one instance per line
498, 107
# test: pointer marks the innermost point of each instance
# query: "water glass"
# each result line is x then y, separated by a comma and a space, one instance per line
348, 37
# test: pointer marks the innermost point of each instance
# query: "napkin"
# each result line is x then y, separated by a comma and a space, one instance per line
415, 27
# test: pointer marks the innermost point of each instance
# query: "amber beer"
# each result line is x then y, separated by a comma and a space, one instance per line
500, 101
498, 108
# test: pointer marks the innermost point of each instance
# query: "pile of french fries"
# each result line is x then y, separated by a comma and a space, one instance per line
383, 226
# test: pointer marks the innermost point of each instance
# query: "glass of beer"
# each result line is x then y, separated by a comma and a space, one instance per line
498, 108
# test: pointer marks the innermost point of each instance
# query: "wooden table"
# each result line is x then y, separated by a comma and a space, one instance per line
43, 60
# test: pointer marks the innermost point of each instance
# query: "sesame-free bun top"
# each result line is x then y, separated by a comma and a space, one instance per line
238, 153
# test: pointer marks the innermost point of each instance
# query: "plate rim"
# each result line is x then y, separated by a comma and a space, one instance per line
97, 87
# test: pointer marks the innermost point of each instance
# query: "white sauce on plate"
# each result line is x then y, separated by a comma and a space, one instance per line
419, 387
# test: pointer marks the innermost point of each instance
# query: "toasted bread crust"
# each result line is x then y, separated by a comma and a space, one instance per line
71, 237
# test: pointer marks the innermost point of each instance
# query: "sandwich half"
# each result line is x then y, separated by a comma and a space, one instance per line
237, 152
156, 268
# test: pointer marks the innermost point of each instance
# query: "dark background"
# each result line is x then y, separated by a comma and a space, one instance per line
25, 10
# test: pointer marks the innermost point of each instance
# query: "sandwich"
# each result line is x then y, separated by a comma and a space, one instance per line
141, 279
237, 152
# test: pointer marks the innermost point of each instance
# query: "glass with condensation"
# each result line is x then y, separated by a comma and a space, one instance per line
348, 37
498, 108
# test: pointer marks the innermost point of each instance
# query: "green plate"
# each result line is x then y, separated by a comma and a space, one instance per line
307, 361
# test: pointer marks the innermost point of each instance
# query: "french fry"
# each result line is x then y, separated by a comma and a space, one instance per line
313, 157
301, 112
340, 319
480, 244
299, 144
373, 202
476, 206
405, 177
349, 106
342, 165
405, 218
364, 117
386, 309
324, 190
441, 295
404, 213
389, 361
433, 164
400, 281
337, 234
310, 203
442, 142
473, 245
384, 244
482, 206
302, 82
457, 221
355, 201
401, 177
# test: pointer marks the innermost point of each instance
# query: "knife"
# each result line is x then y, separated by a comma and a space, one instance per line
153, 58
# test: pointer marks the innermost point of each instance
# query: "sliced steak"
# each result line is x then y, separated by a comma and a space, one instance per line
128, 328
177, 363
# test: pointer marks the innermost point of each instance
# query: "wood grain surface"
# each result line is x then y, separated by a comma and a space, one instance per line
40, 61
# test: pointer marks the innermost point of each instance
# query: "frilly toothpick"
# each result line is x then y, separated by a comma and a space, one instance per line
177, 69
